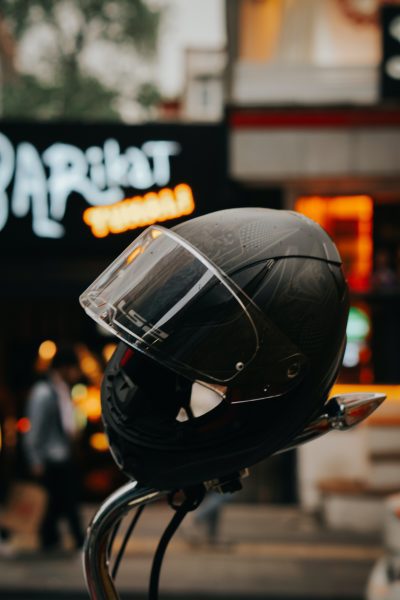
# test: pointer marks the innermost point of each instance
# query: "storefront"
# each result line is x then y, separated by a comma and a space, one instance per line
341, 167
72, 197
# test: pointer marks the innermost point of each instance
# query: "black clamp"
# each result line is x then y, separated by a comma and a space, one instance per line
228, 484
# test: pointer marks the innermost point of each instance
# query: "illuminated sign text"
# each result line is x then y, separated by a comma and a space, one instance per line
140, 211
42, 183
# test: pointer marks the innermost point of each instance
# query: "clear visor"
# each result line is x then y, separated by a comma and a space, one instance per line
165, 298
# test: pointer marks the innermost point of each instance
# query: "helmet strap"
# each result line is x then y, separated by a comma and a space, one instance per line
193, 497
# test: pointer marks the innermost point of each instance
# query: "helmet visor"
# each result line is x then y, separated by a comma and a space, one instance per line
165, 298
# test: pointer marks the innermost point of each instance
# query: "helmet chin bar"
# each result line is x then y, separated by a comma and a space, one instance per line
339, 413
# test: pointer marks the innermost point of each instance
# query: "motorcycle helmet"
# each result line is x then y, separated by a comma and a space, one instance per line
232, 329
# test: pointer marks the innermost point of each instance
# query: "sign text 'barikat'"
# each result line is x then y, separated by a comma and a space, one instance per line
41, 183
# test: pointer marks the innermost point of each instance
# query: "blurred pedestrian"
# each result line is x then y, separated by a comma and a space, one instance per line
49, 447
203, 526
208, 515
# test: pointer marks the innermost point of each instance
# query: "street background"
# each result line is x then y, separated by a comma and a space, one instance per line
111, 111
263, 552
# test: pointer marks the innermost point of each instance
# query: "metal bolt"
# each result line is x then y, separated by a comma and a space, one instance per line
293, 370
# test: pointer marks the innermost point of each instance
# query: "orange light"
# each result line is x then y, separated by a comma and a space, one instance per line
89, 364
156, 233
23, 425
88, 403
134, 254
99, 442
108, 351
47, 350
338, 213
140, 211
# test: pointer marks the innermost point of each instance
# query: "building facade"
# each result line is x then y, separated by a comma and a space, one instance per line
314, 125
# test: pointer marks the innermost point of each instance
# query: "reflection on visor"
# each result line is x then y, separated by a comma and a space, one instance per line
166, 299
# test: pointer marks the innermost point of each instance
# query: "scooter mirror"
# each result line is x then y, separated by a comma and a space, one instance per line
339, 413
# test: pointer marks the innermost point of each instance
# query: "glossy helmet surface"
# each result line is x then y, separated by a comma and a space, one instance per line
242, 340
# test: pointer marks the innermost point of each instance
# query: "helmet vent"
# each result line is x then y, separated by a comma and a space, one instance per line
255, 236
203, 399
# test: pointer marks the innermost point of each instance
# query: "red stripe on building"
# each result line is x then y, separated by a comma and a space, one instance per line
270, 118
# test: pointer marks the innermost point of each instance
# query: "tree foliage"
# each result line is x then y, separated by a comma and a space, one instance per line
74, 93
29, 98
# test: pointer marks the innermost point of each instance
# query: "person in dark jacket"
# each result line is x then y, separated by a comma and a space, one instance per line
49, 447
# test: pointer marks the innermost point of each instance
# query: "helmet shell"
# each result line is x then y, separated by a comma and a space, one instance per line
292, 271
238, 237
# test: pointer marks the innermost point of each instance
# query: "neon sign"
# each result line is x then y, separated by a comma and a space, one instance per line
348, 219
42, 183
140, 211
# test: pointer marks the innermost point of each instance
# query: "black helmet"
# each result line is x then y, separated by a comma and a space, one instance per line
233, 327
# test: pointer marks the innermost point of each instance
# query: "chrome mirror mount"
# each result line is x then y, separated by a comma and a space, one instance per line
95, 552
339, 413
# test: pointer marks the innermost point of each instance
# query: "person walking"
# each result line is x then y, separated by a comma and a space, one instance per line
49, 447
